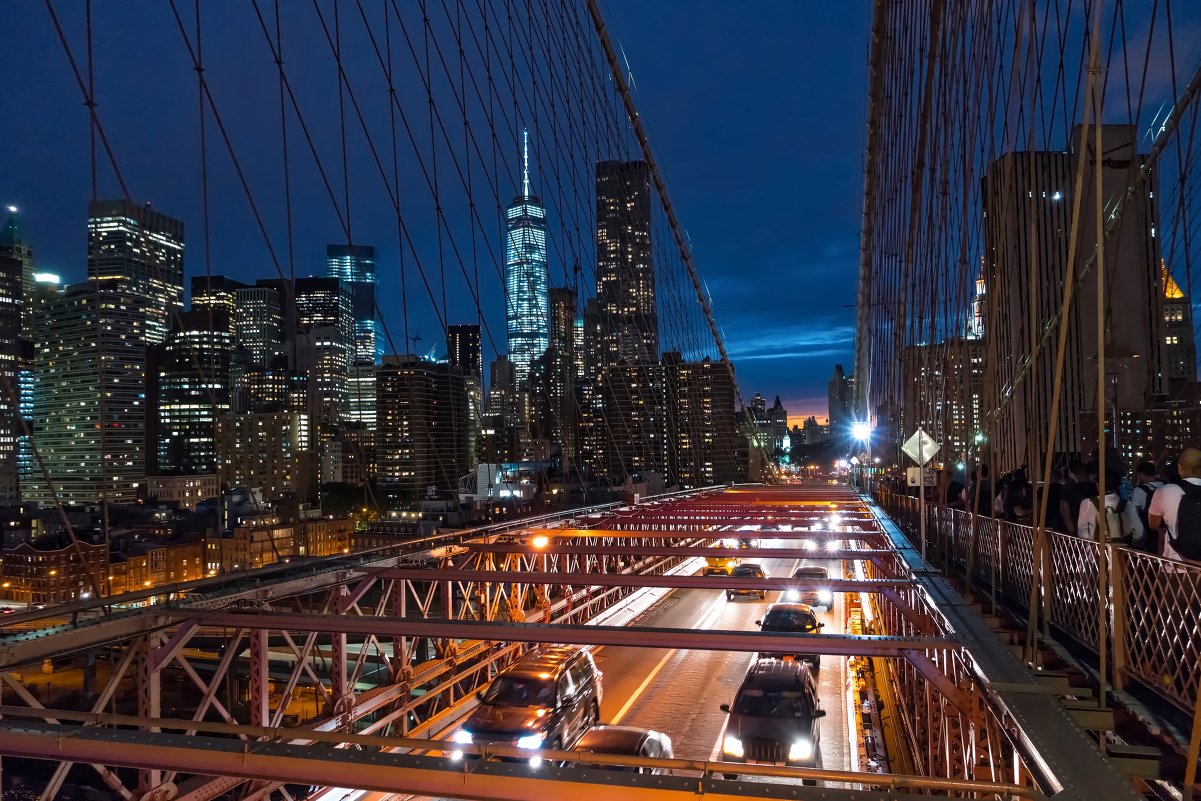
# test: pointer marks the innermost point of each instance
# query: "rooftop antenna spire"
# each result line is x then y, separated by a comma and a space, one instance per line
525, 162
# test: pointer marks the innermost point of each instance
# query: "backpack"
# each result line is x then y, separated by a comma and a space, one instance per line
1187, 539
1148, 490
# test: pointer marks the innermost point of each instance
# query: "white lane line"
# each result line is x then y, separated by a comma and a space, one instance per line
621, 713
708, 617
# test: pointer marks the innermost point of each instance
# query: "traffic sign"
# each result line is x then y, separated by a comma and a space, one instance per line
921, 447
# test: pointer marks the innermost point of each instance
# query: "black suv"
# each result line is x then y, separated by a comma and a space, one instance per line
773, 720
788, 618
747, 570
546, 700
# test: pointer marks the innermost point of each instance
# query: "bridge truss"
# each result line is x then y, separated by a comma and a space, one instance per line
393, 651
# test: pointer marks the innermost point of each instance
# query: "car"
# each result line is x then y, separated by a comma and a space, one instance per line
774, 717
792, 618
626, 741
807, 595
748, 542
747, 570
546, 700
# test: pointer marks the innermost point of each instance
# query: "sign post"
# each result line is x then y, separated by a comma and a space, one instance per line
921, 448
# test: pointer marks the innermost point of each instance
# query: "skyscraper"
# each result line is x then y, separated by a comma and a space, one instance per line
14, 245
218, 294
325, 344
1027, 202
463, 349
421, 435
355, 265
89, 402
142, 249
193, 391
11, 314
259, 323
840, 396
553, 379
1180, 347
527, 277
625, 274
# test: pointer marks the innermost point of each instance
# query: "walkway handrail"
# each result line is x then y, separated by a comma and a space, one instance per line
1154, 606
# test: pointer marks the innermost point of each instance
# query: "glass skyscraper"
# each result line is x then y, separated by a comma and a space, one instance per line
355, 265
527, 278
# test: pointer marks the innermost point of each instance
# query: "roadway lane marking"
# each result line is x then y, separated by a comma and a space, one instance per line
621, 713
708, 617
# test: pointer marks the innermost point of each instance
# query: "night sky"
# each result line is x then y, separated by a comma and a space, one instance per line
756, 118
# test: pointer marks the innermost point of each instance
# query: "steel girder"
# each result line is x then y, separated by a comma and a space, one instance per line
635, 636
598, 579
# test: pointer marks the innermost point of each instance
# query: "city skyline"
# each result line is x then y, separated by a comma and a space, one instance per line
799, 344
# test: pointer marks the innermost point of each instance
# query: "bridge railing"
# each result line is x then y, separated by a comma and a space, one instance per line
1153, 605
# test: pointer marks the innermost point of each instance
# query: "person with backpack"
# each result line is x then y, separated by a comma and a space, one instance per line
1177, 508
1142, 536
1087, 520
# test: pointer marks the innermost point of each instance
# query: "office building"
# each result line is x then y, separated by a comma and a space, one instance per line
354, 265
632, 413
840, 399
553, 380
1027, 200
360, 401
193, 391
269, 451
943, 393
702, 422
14, 245
324, 345
625, 274
93, 442
1180, 347
527, 277
46, 288
463, 350
421, 433
258, 323
218, 294
142, 250
11, 314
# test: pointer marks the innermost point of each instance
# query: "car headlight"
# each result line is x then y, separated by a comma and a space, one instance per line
793, 595
833, 545
800, 750
530, 741
825, 596
810, 545
463, 737
732, 746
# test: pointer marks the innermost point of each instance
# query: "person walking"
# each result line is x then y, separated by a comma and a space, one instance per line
1142, 536
1176, 509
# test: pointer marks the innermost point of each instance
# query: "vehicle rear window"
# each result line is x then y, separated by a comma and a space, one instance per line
746, 570
811, 572
789, 620
772, 704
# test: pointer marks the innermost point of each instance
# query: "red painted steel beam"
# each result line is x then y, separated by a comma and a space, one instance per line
720, 582
667, 550
633, 636
662, 534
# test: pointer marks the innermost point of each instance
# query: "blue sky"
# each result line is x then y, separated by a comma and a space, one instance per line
755, 111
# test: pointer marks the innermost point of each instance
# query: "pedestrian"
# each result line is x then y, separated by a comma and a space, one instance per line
1075, 489
980, 493
1019, 499
1142, 536
1176, 508
1087, 520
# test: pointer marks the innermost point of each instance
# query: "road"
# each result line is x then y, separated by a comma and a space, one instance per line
679, 692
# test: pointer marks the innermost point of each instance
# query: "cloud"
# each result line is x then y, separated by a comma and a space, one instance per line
753, 339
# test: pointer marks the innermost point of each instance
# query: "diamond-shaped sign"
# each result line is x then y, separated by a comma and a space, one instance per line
921, 447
